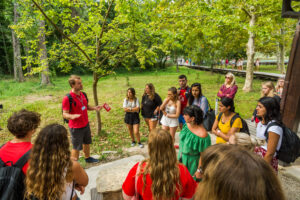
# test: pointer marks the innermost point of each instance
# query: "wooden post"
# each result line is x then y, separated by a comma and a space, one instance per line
290, 103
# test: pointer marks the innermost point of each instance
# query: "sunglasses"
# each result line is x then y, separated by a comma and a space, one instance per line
228, 77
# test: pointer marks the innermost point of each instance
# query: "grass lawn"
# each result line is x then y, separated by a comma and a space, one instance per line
112, 90
270, 69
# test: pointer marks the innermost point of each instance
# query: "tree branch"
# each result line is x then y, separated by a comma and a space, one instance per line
62, 33
246, 11
102, 30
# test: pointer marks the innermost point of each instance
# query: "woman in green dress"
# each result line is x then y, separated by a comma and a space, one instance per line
194, 139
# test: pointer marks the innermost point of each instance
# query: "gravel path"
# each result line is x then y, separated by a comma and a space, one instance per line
291, 187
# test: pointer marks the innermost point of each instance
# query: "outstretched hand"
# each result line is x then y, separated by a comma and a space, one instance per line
75, 116
98, 108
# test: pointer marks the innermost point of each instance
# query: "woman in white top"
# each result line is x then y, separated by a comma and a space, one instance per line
269, 129
52, 173
171, 111
131, 107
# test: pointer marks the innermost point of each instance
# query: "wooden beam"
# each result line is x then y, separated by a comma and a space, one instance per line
290, 102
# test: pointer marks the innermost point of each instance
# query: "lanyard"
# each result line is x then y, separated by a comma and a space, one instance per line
80, 99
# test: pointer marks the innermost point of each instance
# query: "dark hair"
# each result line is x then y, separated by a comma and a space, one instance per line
272, 109
20, 123
228, 102
132, 90
191, 97
182, 77
194, 111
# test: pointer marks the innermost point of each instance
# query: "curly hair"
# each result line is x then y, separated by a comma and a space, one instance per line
194, 111
162, 166
152, 91
230, 172
20, 123
50, 166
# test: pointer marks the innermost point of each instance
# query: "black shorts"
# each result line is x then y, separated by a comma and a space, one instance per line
132, 118
81, 136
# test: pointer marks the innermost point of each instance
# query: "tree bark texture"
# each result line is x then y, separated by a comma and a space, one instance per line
281, 52
250, 56
18, 72
5, 49
43, 55
95, 94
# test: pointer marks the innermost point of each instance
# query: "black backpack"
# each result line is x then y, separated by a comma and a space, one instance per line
70, 102
244, 128
290, 146
12, 179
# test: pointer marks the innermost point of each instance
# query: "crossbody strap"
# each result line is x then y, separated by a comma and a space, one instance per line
22, 161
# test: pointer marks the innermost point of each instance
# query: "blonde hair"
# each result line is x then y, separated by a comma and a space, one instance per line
232, 77
270, 85
72, 79
277, 84
246, 141
152, 91
162, 166
231, 172
50, 166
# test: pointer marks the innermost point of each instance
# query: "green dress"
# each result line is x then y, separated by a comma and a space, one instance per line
190, 147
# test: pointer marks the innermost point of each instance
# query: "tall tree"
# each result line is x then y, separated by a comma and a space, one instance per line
43, 54
18, 72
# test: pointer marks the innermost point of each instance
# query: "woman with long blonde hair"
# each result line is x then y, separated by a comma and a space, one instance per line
231, 172
160, 176
229, 88
150, 106
279, 87
52, 174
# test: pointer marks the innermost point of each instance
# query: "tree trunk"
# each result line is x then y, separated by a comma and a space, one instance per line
26, 50
18, 72
281, 52
250, 56
43, 55
95, 94
5, 50
177, 67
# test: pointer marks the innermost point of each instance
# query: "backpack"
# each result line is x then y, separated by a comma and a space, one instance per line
244, 128
290, 146
70, 102
12, 179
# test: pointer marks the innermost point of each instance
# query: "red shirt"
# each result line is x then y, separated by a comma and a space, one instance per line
79, 106
14, 151
227, 92
188, 184
183, 97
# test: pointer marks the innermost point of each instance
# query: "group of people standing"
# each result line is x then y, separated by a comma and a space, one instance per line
217, 167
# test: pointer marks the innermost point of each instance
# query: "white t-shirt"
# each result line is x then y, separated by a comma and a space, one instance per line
260, 133
131, 104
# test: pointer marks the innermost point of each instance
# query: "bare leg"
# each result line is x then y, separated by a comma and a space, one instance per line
86, 150
181, 125
75, 154
152, 124
172, 132
136, 132
130, 128
166, 128
148, 124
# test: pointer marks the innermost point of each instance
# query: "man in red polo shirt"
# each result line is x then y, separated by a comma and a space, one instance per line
78, 119
183, 92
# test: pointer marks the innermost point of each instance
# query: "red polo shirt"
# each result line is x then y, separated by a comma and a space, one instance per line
79, 106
